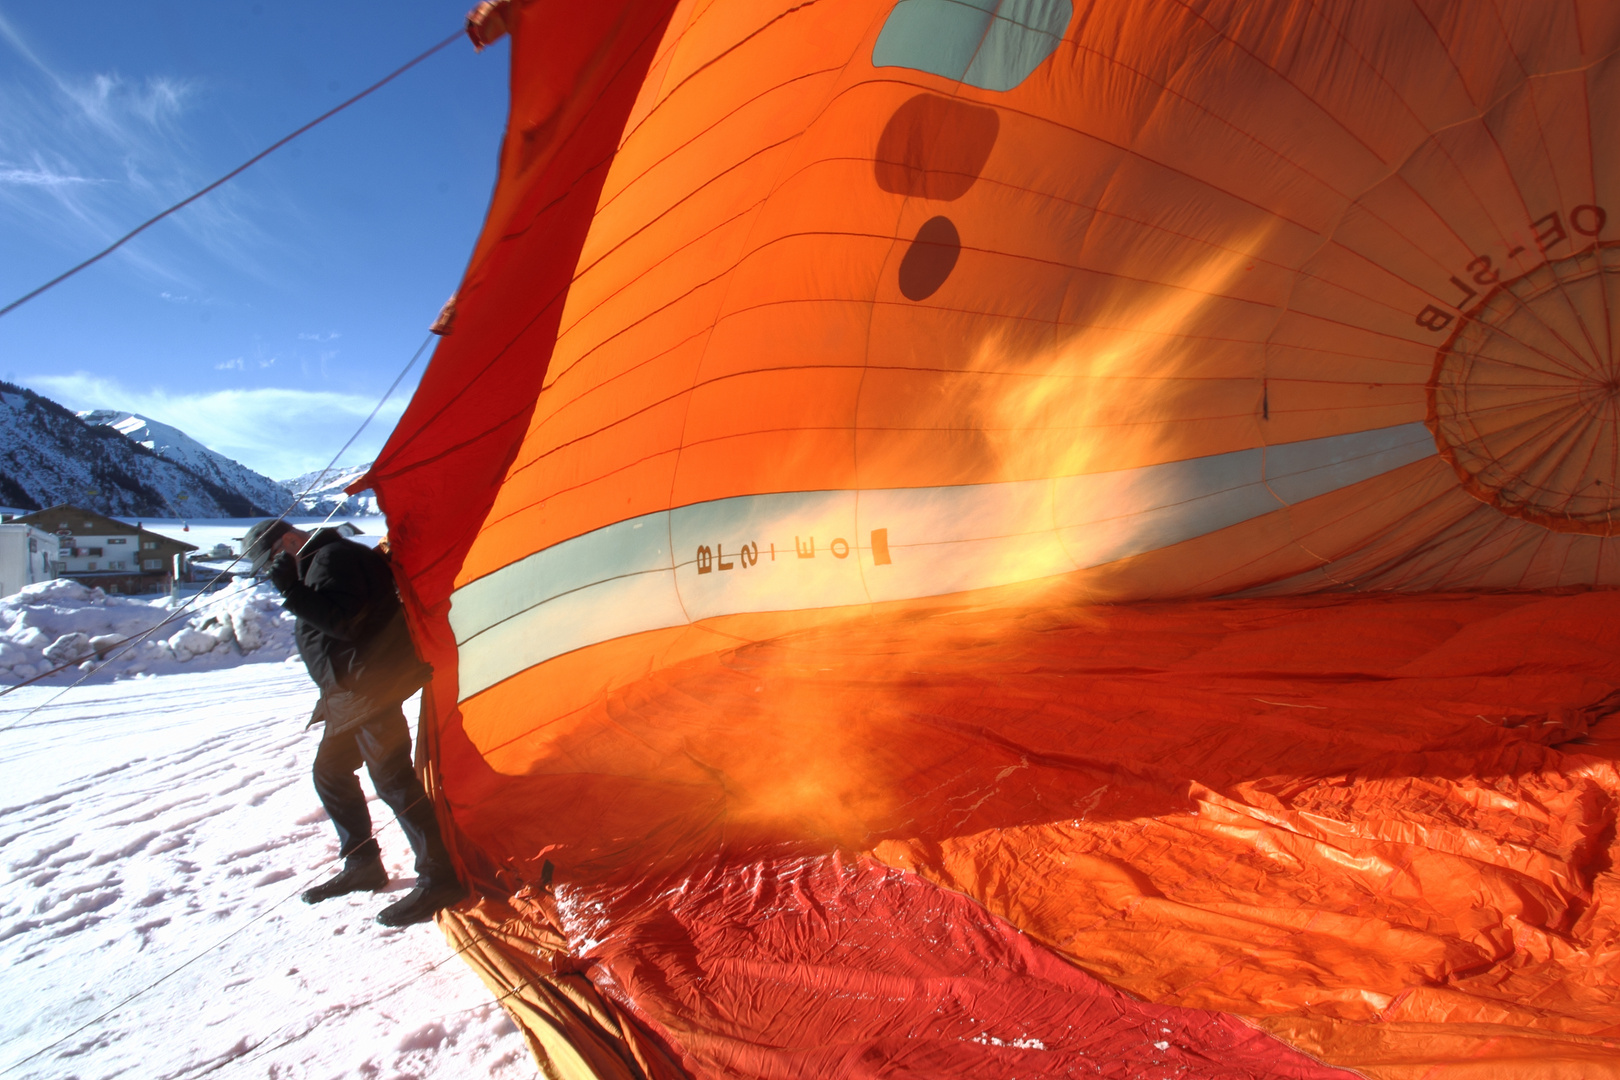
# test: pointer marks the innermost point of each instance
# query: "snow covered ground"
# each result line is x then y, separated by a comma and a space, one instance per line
148, 821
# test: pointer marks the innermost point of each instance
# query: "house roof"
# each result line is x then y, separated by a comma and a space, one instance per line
78, 520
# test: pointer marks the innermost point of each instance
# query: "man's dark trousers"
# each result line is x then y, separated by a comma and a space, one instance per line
383, 744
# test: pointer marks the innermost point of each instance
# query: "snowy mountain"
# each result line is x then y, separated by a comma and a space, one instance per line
324, 494
50, 456
176, 446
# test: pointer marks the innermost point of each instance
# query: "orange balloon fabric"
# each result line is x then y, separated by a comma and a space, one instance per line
851, 407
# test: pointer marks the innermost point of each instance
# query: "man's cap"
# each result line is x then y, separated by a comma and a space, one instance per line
260, 541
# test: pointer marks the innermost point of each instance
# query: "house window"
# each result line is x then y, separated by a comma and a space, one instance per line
118, 540
153, 564
93, 552
148, 545
92, 566
115, 566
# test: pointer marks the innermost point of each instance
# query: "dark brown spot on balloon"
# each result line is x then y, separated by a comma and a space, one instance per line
930, 258
934, 147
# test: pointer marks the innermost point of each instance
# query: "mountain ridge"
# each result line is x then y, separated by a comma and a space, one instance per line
328, 495
50, 456
172, 444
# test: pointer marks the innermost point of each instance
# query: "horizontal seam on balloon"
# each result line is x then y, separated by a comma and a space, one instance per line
631, 182
668, 399
1349, 514
617, 421
1543, 405
1052, 196
917, 545
1038, 119
1441, 495
986, 484
674, 566
580, 708
733, 268
1562, 388
670, 569
1426, 364
687, 244
900, 369
526, 507
1299, 272
841, 368
737, 265
1295, 311
695, 72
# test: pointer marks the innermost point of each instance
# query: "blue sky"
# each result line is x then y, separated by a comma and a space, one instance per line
267, 318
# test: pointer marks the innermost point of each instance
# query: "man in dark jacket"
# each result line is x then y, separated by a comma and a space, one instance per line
352, 637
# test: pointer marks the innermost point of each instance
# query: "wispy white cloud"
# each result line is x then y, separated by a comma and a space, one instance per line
41, 177
331, 335
20, 45
85, 157
234, 364
280, 432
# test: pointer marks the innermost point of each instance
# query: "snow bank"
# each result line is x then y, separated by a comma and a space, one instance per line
60, 622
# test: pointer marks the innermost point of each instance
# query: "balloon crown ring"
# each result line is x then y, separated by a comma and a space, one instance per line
1524, 400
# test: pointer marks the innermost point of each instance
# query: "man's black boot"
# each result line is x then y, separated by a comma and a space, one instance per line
422, 903
361, 873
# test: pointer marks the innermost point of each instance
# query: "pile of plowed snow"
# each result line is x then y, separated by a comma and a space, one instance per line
61, 622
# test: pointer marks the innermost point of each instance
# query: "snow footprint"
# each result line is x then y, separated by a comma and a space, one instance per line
127, 850
41, 855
